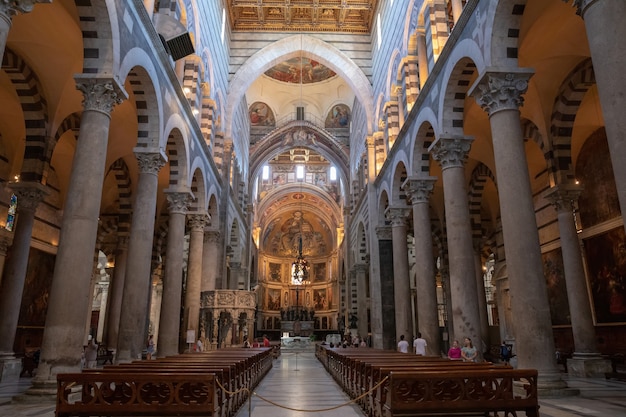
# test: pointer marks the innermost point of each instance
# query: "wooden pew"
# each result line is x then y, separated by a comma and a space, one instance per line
133, 388
430, 393
136, 394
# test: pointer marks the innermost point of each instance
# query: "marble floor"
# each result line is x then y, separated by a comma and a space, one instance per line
299, 386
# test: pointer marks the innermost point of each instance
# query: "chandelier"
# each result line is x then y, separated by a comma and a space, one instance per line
300, 267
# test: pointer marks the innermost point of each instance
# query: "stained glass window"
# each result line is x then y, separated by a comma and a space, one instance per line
12, 211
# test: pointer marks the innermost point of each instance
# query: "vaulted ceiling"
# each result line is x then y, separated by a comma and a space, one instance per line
346, 16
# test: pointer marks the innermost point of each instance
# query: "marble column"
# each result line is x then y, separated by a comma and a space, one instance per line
9, 9
70, 301
606, 33
451, 153
29, 195
401, 281
115, 293
197, 222
210, 250
169, 327
386, 292
419, 191
235, 276
586, 361
499, 93
457, 9
376, 306
422, 55
361, 298
138, 283
481, 296
6, 240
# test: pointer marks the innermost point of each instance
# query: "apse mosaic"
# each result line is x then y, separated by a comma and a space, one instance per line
300, 70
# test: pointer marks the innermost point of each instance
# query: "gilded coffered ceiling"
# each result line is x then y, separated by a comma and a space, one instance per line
347, 16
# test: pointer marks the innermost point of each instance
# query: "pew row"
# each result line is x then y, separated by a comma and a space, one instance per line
214, 383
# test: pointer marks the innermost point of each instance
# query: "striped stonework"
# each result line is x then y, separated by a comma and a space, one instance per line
70, 123
28, 90
147, 112
93, 18
412, 81
218, 151
393, 121
206, 120
380, 150
438, 21
480, 176
122, 178
191, 83
566, 106
456, 91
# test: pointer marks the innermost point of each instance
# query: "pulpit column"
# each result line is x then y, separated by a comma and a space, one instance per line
419, 191
586, 361
401, 283
169, 321
69, 301
138, 282
451, 153
29, 195
499, 93
197, 222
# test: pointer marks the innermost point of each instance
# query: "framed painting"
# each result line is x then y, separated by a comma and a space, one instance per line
319, 272
273, 299
557, 291
606, 263
275, 275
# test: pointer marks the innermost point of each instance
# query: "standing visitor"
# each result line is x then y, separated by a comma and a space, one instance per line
468, 352
403, 345
419, 344
150, 347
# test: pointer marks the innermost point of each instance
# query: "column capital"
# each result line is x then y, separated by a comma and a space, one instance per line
150, 160
13, 7
581, 5
419, 189
501, 89
100, 93
178, 200
397, 215
212, 236
197, 222
29, 194
383, 232
451, 152
370, 141
563, 196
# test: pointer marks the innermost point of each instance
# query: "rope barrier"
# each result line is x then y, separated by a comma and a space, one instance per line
319, 409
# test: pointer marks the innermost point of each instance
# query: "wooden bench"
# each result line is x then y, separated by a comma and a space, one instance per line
136, 394
177, 385
437, 393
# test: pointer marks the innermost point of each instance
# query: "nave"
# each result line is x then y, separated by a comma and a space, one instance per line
298, 381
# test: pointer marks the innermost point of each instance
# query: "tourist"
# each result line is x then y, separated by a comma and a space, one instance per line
91, 353
266, 341
419, 344
468, 351
454, 353
403, 345
150, 347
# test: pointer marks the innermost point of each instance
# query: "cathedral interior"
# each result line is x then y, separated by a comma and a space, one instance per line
222, 170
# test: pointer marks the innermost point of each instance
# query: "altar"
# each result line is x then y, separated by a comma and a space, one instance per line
295, 343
